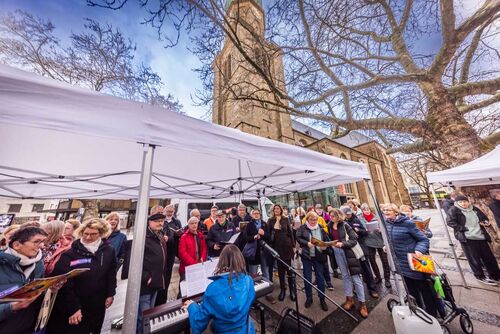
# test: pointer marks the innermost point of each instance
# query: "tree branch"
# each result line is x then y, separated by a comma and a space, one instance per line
475, 88
416, 147
484, 103
493, 139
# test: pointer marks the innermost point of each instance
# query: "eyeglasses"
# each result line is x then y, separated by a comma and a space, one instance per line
88, 235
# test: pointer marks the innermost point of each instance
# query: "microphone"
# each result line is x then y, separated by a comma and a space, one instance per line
268, 248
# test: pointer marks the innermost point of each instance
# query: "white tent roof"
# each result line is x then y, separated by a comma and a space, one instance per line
483, 170
61, 141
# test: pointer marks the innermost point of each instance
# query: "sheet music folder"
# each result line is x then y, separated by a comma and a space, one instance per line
198, 278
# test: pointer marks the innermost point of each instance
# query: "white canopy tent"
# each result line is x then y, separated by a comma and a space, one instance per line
60, 141
482, 171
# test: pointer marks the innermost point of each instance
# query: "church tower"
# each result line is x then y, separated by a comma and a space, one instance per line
235, 78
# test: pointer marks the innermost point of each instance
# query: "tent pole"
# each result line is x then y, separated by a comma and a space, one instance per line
450, 241
388, 247
137, 256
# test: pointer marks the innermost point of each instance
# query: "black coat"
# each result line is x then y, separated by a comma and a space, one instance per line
153, 266
250, 233
495, 208
304, 235
281, 240
447, 205
218, 233
241, 241
173, 240
360, 230
456, 220
86, 292
353, 263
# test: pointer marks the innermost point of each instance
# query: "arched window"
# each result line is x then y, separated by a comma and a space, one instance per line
302, 142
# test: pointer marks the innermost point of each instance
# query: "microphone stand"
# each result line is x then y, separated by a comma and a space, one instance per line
292, 275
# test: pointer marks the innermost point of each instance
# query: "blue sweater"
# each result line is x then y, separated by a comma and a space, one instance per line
406, 238
227, 305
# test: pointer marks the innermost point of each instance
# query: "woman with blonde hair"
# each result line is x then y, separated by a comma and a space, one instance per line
350, 266
227, 300
82, 302
55, 244
116, 239
406, 238
70, 226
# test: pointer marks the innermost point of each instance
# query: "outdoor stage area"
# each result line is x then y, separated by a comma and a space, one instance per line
482, 302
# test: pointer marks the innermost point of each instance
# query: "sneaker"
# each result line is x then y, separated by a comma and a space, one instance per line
486, 281
308, 303
492, 281
329, 286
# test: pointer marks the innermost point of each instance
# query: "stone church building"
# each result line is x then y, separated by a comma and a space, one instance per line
234, 77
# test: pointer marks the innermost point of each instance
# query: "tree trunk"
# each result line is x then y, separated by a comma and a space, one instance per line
449, 132
91, 207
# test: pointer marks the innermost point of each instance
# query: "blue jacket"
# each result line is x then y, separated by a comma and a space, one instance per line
117, 241
11, 275
406, 238
227, 305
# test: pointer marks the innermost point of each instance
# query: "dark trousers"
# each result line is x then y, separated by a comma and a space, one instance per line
308, 264
372, 252
282, 272
367, 275
424, 293
162, 296
479, 254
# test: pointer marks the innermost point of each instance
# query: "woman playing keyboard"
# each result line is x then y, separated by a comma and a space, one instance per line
227, 299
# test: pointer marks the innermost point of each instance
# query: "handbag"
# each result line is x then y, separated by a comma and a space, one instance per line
357, 250
249, 250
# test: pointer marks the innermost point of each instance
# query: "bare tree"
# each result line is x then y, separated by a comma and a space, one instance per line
99, 58
358, 65
416, 169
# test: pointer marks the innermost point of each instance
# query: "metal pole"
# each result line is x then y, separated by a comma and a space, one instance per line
137, 256
450, 241
386, 243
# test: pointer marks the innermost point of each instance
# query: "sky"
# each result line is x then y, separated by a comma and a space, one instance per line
174, 65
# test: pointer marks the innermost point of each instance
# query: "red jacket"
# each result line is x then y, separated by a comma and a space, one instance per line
187, 250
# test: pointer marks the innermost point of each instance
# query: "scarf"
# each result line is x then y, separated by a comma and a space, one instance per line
369, 217
92, 246
27, 263
311, 227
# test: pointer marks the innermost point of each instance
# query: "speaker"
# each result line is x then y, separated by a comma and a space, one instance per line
288, 324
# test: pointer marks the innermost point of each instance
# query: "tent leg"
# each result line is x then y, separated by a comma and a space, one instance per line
452, 246
387, 245
137, 256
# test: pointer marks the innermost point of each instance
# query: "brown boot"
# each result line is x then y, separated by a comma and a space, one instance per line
363, 311
349, 303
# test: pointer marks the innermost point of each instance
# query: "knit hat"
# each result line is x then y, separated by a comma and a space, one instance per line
461, 198
346, 210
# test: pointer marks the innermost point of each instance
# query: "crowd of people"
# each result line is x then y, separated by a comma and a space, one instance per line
298, 236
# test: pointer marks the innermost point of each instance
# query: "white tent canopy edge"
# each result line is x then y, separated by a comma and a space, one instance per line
57, 137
